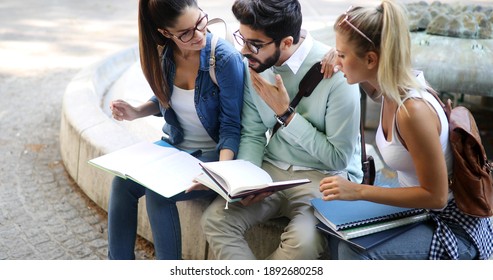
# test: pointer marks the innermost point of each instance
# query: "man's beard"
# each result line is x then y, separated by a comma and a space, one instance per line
268, 63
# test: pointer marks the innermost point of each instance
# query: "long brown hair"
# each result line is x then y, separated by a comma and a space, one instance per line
154, 14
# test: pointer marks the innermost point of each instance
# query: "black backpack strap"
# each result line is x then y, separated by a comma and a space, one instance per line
306, 87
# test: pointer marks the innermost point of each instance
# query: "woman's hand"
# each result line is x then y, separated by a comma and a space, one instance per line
196, 186
339, 188
329, 63
121, 110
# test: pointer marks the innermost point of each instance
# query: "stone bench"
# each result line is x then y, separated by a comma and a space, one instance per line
87, 131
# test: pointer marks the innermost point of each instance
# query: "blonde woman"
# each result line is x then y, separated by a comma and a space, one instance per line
374, 49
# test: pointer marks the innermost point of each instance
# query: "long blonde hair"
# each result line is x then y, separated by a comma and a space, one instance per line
388, 29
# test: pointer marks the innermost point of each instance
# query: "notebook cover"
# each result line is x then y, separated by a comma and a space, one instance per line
346, 214
368, 241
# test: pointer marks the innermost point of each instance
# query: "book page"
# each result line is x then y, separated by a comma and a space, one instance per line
239, 175
208, 182
170, 175
271, 187
123, 161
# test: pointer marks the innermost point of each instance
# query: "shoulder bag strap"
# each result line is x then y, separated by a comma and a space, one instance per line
306, 87
367, 162
212, 59
215, 38
363, 143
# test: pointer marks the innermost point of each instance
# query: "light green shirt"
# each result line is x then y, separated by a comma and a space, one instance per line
324, 133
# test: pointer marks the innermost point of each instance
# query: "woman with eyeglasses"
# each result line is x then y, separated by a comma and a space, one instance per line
374, 49
175, 47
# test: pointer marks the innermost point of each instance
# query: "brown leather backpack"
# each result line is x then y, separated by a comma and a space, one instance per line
472, 179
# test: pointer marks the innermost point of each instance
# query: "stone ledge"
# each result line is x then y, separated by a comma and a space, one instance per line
87, 131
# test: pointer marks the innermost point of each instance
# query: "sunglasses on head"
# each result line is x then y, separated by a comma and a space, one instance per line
346, 20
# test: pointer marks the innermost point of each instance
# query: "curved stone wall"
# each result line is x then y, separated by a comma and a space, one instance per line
453, 45
454, 65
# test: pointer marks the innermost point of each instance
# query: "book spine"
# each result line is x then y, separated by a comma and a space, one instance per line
373, 228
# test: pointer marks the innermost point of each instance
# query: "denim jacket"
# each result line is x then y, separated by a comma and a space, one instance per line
218, 107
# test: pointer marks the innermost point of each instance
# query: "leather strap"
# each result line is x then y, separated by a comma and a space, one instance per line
368, 163
362, 129
363, 143
212, 59
215, 38
305, 88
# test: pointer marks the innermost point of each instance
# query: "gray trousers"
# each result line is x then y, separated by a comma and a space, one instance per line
225, 228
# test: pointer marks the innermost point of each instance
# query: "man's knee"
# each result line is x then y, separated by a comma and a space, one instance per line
303, 241
217, 220
312, 245
204, 221
210, 218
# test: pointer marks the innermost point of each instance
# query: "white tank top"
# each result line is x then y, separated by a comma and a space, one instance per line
395, 154
194, 134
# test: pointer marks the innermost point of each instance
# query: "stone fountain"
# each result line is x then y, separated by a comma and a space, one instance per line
453, 45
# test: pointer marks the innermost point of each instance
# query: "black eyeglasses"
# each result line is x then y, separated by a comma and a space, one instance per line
252, 46
346, 20
187, 35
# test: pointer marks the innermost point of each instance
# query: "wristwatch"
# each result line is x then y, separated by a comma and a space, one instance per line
284, 117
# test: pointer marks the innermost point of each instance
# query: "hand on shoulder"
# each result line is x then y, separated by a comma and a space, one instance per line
328, 63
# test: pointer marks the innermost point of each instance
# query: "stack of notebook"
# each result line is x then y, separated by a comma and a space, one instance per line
363, 223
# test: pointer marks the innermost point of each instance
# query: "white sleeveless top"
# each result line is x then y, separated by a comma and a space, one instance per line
395, 154
194, 134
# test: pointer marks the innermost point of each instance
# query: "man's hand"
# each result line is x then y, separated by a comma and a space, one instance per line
276, 96
252, 199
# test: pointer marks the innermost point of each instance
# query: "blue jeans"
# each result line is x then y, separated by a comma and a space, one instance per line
163, 218
413, 244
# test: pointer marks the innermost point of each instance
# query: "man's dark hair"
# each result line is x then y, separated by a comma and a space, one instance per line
275, 18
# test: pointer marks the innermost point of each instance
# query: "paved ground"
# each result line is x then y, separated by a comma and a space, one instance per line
43, 44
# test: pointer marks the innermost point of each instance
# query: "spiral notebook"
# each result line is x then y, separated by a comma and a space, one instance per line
364, 217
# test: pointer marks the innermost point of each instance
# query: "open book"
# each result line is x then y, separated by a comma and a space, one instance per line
168, 171
235, 179
163, 169
352, 219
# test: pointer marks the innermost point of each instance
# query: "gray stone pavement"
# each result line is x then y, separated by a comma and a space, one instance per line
43, 44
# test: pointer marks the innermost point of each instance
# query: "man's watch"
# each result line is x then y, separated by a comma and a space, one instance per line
284, 117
